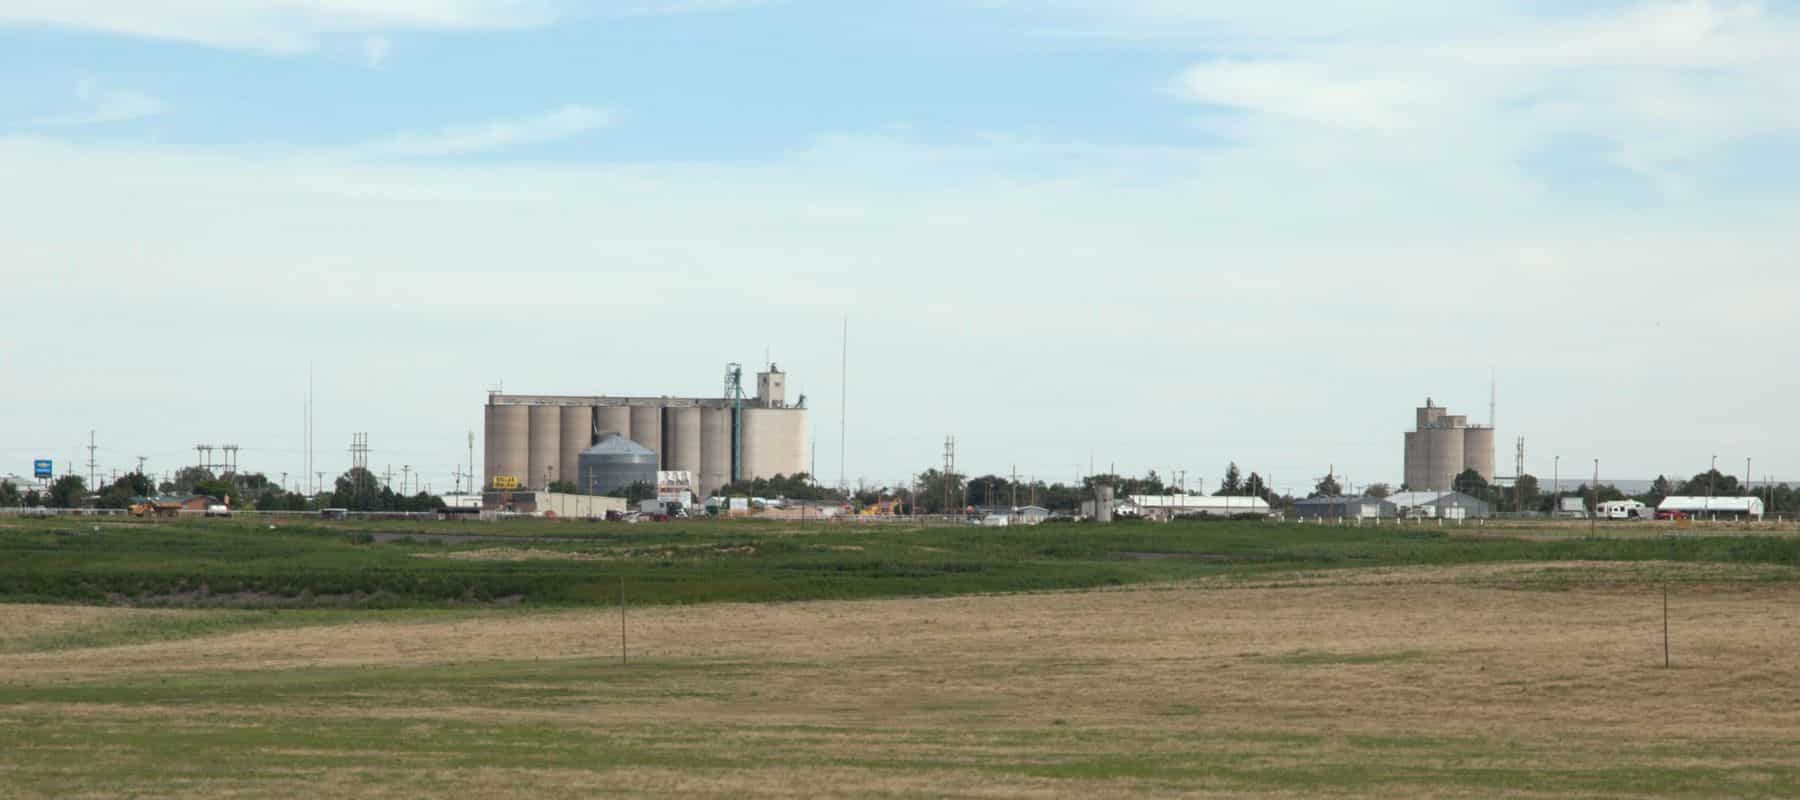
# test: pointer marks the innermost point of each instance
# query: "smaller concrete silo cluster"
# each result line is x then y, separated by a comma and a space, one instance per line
1442, 446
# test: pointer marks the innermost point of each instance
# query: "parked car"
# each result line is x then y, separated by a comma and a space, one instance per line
1671, 515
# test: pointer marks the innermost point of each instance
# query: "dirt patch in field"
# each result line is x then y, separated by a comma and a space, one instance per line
516, 554
18, 622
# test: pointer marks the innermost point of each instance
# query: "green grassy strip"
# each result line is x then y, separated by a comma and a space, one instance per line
230, 564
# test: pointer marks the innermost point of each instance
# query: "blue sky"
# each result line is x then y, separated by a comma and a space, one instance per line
1167, 234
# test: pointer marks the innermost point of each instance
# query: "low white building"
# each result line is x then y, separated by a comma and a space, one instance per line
1165, 506
1708, 507
1440, 505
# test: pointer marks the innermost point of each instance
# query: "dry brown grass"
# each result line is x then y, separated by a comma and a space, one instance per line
1565, 679
516, 554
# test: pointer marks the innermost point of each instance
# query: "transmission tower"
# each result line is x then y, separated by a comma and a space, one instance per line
949, 470
359, 459
1519, 478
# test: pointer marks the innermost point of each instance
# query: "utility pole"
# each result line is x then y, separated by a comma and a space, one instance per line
843, 409
1594, 517
1711, 476
1556, 504
406, 475
1015, 486
141, 461
472, 459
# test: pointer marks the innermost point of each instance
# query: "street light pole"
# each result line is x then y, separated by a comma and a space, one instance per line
1711, 477
1594, 515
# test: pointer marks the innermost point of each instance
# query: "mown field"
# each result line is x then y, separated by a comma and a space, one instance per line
1233, 659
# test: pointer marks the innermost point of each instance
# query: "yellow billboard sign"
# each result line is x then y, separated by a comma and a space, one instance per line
506, 482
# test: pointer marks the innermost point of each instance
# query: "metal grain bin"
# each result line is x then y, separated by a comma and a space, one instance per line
616, 462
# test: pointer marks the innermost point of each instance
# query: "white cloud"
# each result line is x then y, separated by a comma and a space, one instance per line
297, 25
570, 120
100, 104
1660, 82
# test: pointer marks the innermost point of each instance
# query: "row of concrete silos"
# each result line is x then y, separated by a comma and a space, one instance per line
541, 443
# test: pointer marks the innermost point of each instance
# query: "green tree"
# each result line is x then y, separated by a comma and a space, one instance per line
939, 493
224, 490
1660, 489
359, 490
1378, 490
187, 478
1327, 487
124, 490
69, 491
1233, 483
1255, 486
1151, 483
1712, 483
9, 495
33, 499
1471, 483
1526, 491
564, 487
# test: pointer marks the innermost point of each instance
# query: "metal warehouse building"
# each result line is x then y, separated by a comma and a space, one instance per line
539, 439
1345, 507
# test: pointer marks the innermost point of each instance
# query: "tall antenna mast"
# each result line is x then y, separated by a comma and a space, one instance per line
309, 425
843, 408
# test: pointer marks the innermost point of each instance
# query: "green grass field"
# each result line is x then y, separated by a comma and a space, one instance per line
1231, 659
237, 564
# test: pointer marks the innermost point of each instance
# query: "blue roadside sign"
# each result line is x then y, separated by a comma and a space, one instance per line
41, 468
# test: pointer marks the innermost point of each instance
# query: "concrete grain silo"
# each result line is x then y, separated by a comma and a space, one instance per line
646, 428
613, 419
1478, 451
577, 428
546, 446
715, 449
512, 442
489, 424
681, 427
774, 442
1443, 457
